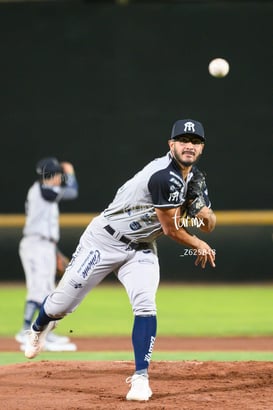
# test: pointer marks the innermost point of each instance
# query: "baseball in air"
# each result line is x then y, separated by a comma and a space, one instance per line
219, 67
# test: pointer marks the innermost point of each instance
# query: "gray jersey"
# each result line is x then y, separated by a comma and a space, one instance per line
158, 185
42, 210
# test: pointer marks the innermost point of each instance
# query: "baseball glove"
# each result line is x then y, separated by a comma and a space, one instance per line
62, 262
196, 197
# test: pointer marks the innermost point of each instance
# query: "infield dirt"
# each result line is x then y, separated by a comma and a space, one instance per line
183, 385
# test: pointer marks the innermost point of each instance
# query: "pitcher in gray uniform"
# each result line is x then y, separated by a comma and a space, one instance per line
122, 239
41, 234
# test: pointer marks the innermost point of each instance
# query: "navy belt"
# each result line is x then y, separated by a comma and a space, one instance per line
44, 238
133, 245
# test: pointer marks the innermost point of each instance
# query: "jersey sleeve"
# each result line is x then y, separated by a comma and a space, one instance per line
49, 193
165, 191
70, 187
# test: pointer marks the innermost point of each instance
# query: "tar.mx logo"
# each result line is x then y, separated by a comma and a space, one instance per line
187, 221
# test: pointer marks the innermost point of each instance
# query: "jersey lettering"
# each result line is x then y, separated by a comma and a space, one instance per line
174, 196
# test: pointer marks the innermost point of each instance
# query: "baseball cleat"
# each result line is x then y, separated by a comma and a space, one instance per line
35, 340
59, 347
20, 337
52, 338
140, 389
55, 347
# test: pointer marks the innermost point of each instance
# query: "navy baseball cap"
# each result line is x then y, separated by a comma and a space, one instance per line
47, 167
188, 126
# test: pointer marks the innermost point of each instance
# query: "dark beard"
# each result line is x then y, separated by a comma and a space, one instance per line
187, 163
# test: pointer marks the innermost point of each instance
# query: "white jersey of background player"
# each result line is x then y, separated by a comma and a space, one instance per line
41, 233
121, 240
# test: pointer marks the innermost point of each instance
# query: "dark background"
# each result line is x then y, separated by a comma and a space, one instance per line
100, 85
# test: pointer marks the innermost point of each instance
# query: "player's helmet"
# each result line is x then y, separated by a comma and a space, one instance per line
189, 126
48, 167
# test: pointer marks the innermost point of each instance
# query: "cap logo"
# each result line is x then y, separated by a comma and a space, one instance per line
189, 127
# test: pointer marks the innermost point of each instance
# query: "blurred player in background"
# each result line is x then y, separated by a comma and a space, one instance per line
122, 240
38, 248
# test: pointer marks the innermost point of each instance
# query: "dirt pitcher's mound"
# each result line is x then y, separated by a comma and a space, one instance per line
186, 385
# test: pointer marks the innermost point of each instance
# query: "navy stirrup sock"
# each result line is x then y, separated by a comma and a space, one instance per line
30, 308
42, 320
143, 338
